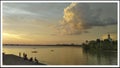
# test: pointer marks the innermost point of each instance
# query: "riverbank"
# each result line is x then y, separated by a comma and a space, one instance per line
10, 59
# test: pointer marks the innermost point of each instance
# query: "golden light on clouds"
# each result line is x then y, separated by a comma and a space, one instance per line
72, 22
14, 38
78, 18
9, 38
68, 15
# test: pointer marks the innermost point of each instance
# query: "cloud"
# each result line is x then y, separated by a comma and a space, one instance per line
80, 17
14, 38
45, 11
10, 11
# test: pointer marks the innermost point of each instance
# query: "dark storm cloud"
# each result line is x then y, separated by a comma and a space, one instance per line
80, 17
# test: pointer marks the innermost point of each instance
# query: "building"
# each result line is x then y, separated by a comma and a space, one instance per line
109, 38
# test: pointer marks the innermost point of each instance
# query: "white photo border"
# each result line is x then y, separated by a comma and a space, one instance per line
117, 2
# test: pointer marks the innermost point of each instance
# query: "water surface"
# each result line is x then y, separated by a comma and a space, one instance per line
63, 55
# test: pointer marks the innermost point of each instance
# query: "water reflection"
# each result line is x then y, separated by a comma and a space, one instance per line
101, 57
64, 55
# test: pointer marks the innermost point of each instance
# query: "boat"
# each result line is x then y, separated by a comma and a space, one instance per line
34, 51
52, 50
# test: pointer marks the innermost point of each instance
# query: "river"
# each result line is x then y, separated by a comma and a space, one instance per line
63, 55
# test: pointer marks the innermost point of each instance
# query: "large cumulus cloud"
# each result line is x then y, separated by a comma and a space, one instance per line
80, 17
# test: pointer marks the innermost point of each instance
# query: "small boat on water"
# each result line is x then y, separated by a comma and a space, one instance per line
52, 50
34, 51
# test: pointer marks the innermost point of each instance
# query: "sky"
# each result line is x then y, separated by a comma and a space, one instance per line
58, 23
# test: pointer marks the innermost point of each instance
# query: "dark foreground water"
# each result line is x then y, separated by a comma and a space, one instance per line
63, 55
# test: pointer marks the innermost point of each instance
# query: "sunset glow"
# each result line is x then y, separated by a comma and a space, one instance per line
57, 23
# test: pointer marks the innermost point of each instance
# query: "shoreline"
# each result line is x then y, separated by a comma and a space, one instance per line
10, 59
41, 45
